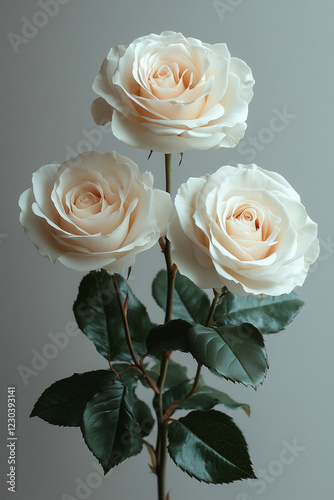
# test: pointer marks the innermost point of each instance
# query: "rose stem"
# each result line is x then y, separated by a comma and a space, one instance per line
194, 388
214, 304
161, 447
168, 247
208, 322
138, 365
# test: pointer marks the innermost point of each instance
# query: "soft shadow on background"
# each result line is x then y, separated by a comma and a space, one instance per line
48, 73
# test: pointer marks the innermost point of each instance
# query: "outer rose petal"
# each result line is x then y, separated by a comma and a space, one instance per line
240, 68
163, 209
137, 136
185, 259
211, 246
36, 228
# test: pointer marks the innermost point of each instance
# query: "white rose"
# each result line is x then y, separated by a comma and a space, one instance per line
244, 228
97, 211
169, 93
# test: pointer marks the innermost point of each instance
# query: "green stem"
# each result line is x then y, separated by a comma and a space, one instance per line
214, 304
208, 322
168, 172
125, 322
168, 247
162, 460
195, 384
161, 447
194, 388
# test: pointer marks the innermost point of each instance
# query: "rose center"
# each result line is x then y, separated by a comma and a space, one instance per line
165, 77
164, 72
248, 217
86, 200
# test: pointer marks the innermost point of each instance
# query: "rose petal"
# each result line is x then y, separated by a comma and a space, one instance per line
163, 209
42, 183
36, 228
184, 258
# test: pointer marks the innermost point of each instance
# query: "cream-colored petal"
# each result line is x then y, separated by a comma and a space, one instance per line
163, 208
135, 135
37, 229
185, 259
42, 182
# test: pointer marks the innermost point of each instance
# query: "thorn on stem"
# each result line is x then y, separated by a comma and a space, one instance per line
174, 271
153, 469
153, 457
247, 409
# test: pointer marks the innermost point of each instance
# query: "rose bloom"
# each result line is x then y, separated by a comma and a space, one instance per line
97, 211
244, 228
169, 93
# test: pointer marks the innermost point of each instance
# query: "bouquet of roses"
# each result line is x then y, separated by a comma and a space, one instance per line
241, 232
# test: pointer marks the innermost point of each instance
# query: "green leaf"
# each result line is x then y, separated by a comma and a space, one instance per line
170, 336
64, 401
235, 352
209, 446
144, 417
204, 398
129, 377
175, 374
189, 303
97, 313
109, 426
268, 314
208, 397
175, 393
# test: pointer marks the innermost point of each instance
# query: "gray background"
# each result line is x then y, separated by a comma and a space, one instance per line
46, 111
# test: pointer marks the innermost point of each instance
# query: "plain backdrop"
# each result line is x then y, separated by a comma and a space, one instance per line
46, 95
